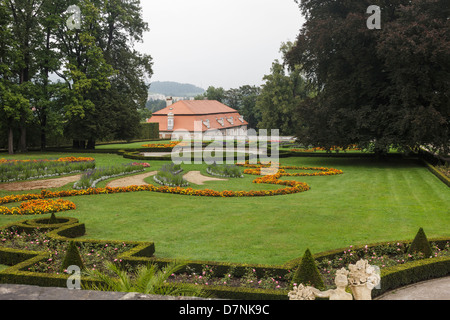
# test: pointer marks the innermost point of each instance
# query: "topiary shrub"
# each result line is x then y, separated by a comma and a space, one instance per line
421, 244
307, 272
72, 257
53, 219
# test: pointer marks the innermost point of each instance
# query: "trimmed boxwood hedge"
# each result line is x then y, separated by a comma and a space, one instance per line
142, 253
437, 173
21, 260
413, 272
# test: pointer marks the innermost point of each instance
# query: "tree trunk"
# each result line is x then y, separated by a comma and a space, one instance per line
91, 144
23, 137
43, 138
79, 144
44, 109
11, 141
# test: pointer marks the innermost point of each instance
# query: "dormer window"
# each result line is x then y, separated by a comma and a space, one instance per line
170, 121
241, 119
207, 124
221, 121
230, 120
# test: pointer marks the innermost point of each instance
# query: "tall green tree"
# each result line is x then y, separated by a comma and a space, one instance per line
27, 34
213, 93
248, 97
281, 93
103, 89
233, 98
376, 88
86, 73
14, 107
122, 26
48, 114
109, 77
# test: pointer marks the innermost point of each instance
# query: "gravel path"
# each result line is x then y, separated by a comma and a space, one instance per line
137, 180
197, 178
193, 177
39, 184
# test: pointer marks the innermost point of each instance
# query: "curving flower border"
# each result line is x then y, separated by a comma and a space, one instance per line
291, 187
66, 159
255, 169
162, 145
39, 207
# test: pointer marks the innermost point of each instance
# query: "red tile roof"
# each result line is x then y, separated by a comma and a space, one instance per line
196, 107
211, 115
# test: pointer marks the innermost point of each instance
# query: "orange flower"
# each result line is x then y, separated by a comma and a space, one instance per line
38, 207
162, 145
38, 203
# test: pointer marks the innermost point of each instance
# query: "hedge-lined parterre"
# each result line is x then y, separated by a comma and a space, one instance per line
292, 187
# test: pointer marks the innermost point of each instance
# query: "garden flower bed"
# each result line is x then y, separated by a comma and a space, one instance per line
39, 207
209, 277
162, 145
94, 255
445, 170
170, 176
171, 186
139, 164
255, 169
319, 149
383, 256
226, 171
92, 177
20, 170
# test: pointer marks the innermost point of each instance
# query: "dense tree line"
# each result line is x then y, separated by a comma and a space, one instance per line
378, 88
84, 81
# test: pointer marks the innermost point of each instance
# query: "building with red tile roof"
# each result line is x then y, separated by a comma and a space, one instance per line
191, 115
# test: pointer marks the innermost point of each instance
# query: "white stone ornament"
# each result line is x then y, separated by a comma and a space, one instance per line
362, 278
301, 293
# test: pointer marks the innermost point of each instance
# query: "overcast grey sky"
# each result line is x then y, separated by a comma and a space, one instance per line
221, 43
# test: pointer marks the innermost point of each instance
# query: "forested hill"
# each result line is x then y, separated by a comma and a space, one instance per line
169, 88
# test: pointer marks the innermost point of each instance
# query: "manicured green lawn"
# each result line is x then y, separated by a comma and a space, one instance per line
372, 201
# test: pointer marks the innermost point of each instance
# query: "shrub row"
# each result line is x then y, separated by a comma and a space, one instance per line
437, 173
396, 276
170, 176
332, 254
66, 230
19, 170
142, 253
226, 171
413, 272
91, 178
